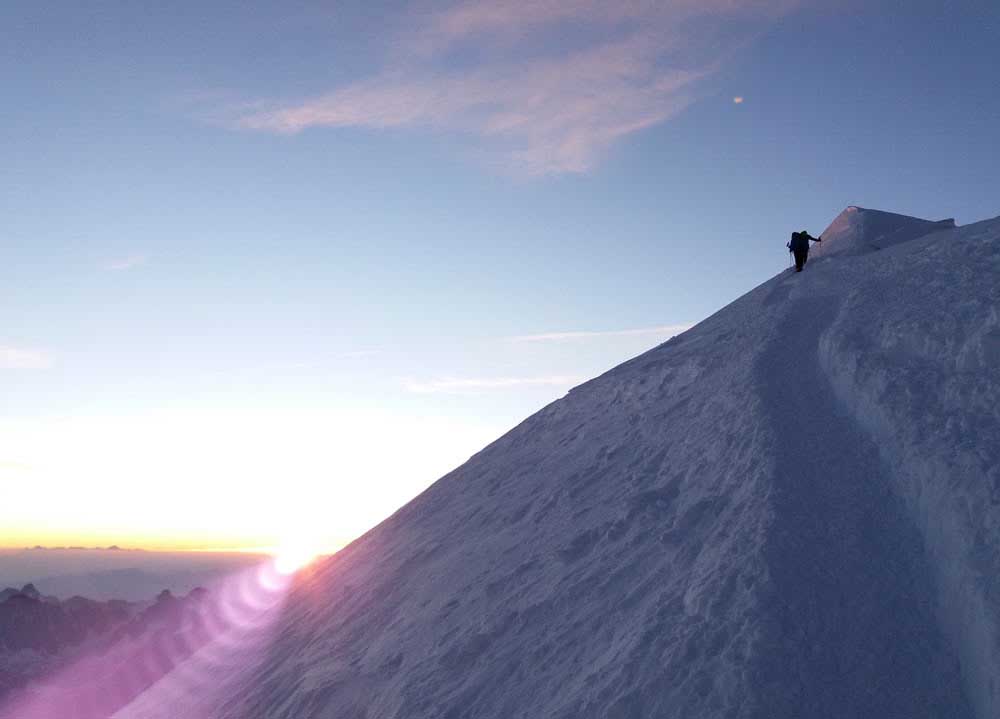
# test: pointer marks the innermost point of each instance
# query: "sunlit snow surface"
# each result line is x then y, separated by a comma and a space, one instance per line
792, 510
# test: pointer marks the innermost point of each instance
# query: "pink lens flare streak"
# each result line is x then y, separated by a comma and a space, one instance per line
180, 648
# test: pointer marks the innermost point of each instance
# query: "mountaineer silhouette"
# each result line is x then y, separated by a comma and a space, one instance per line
799, 246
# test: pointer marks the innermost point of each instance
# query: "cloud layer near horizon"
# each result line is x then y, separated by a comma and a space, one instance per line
549, 84
479, 384
665, 331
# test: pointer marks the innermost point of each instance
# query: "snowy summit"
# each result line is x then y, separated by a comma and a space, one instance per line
857, 231
791, 510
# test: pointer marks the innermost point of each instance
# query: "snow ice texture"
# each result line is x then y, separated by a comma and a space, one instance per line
790, 511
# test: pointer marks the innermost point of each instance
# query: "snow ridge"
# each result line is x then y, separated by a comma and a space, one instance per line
858, 231
791, 510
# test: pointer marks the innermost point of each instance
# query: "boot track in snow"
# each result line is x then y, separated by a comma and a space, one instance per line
852, 631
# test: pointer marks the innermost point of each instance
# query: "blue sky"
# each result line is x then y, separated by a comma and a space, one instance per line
410, 211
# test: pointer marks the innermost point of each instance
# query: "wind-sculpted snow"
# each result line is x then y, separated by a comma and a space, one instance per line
789, 511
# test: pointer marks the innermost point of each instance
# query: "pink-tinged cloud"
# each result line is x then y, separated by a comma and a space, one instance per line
547, 107
517, 17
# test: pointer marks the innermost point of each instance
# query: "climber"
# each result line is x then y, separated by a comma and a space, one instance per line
799, 246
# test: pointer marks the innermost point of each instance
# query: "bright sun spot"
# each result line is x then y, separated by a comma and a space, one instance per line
293, 556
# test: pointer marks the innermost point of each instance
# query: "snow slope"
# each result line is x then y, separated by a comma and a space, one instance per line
792, 510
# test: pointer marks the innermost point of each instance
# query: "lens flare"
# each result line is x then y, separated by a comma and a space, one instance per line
176, 650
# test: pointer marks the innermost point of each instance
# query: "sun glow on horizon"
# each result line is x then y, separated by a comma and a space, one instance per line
294, 483
294, 554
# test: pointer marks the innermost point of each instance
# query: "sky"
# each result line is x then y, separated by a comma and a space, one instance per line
267, 270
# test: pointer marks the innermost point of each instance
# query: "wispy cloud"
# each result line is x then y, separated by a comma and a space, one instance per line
660, 331
358, 354
549, 83
453, 385
24, 358
125, 263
